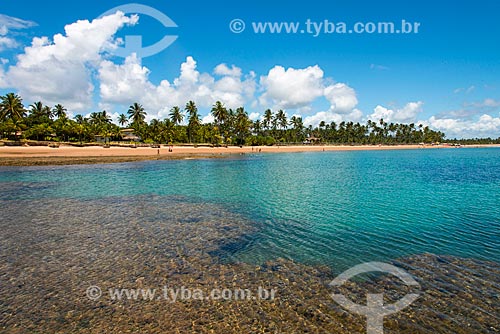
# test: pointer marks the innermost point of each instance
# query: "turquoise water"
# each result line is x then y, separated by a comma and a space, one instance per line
327, 208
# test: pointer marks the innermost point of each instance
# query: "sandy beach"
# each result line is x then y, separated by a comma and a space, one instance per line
63, 155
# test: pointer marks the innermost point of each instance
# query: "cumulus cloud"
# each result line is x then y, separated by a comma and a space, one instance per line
343, 102
59, 70
407, 114
223, 69
355, 115
254, 116
484, 126
342, 98
291, 88
126, 82
208, 119
123, 83
299, 88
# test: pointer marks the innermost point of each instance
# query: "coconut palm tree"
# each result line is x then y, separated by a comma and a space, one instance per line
268, 118
282, 120
136, 114
191, 109
176, 116
11, 107
39, 114
122, 119
194, 119
219, 112
79, 119
242, 125
221, 115
298, 127
59, 111
257, 126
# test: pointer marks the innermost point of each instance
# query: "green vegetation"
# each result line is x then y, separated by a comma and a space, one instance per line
230, 127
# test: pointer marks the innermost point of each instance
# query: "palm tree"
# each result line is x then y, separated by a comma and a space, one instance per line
169, 132
79, 119
268, 117
155, 130
281, 118
11, 107
191, 109
242, 124
221, 115
298, 127
257, 126
219, 112
176, 116
122, 119
59, 111
136, 114
39, 114
194, 119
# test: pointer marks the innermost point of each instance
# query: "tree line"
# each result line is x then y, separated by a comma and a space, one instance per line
183, 125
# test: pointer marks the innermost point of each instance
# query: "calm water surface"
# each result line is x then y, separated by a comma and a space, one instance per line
330, 208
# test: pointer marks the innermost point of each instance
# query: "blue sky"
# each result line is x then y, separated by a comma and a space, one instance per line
446, 76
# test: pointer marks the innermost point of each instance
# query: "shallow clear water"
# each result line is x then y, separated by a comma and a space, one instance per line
331, 208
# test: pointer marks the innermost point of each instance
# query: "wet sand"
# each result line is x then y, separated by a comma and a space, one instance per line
65, 155
54, 249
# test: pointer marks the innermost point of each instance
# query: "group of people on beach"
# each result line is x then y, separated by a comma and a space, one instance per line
170, 149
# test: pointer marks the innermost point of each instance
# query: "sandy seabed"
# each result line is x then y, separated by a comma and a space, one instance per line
51, 254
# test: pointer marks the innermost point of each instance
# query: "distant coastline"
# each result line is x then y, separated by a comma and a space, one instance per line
70, 155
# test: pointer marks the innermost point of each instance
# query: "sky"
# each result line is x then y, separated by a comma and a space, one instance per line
446, 76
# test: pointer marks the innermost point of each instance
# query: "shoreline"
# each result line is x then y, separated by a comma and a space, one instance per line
71, 155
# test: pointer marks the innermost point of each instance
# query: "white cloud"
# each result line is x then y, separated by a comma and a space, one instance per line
407, 114
11, 23
489, 103
3, 81
291, 88
121, 84
342, 98
127, 82
223, 69
7, 43
59, 71
467, 90
208, 119
354, 115
326, 116
299, 88
485, 126
254, 116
